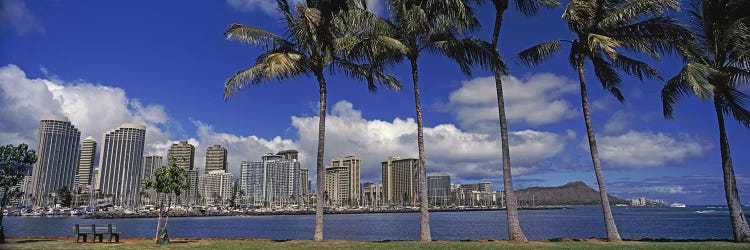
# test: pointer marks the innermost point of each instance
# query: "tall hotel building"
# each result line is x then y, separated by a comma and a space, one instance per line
57, 158
150, 164
216, 159
272, 181
183, 155
400, 185
86, 163
439, 188
121, 163
343, 181
304, 182
216, 187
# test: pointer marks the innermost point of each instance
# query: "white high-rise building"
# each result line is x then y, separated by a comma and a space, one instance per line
86, 162
272, 181
150, 164
121, 163
343, 181
216, 187
57, 159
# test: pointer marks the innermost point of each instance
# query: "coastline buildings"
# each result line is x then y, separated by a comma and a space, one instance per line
216, 159
439, 189
86, 163
182, 154
372, 194
343, 181
304, 182
216, 187
399, 178
57, 159
272, 181
120, 164
150, 164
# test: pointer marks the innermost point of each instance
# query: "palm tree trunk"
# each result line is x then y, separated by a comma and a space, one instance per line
739, 222
2, 206
511, 208
424, 208
609, 220
158, 219
320, 165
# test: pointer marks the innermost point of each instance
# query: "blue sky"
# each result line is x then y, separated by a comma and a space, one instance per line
163, 63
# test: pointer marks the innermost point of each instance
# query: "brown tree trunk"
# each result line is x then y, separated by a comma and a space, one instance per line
2, 207
424, 208
158, 219
511, 208
320, 165
609, 220
739, 222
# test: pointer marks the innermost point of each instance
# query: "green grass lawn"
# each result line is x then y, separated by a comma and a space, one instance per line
141, 244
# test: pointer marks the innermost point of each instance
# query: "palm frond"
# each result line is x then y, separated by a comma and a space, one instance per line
605, 44
635, 68
531, 7
535, 55
676, 88
254, 36
633, 10
734, 104
607, 76
269, 66
652, 36
370, 74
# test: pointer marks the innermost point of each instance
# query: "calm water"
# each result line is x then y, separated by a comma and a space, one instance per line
580, 222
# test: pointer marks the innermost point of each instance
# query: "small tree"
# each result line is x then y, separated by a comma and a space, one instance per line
65, 196
171, 181
13, 163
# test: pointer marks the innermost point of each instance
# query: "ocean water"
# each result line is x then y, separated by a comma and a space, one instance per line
693, 222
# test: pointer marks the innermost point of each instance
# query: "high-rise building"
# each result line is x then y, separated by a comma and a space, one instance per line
57, 159
439, 189
272, 181
372, 194
399, 177
121, 163
343, 181
86, 162
216, 187
304, 182
216, 159
182, 154
290, 154
150, 164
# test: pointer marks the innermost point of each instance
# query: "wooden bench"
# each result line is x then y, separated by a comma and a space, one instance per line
96, 231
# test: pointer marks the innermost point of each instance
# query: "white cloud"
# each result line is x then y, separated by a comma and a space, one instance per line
93, 109
646, 149
17, 15
534, 100
269, 6
618, 122
464, 155
239, 148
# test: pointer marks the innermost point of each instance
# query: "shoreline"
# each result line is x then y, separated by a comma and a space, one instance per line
110, 215
592, 239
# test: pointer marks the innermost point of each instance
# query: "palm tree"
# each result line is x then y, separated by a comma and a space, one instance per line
434, 26
602, 28
526, 7
313, 44
718, 65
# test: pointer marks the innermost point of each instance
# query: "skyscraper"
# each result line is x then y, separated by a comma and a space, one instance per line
183, 154
57, 158
439, 188
121, 163
150, 164
343, 181
86, 163
216, 187
216, 159
272, 181
399, 178
304, 182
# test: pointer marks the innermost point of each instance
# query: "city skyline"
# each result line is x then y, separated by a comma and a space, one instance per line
113, 83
